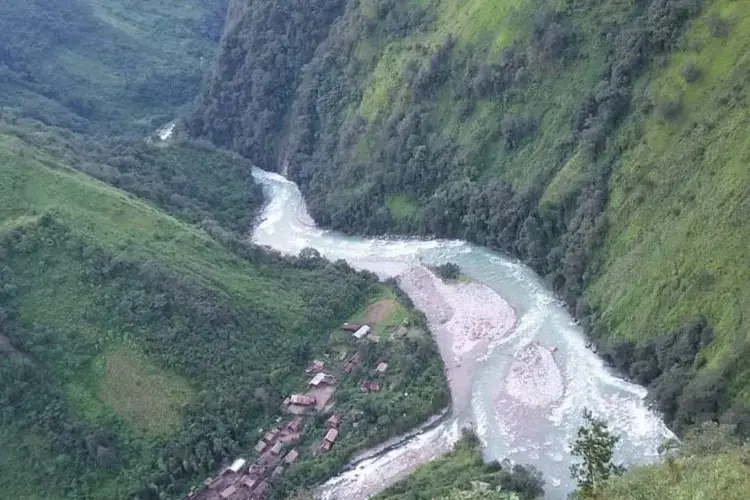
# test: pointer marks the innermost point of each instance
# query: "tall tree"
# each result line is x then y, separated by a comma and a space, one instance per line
594, 446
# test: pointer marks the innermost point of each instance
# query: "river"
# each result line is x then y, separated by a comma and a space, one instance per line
523, 392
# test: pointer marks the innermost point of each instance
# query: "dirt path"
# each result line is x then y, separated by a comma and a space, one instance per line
380, 311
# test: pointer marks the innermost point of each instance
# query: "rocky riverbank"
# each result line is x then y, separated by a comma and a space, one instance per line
466, 318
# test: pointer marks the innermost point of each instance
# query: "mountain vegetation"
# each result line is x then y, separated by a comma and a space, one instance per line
143, 342
463, 474
601, 142
710, 462
104, 66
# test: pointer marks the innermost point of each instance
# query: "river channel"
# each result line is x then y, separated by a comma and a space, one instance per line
523, 391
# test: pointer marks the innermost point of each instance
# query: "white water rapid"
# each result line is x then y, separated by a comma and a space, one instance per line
523, 394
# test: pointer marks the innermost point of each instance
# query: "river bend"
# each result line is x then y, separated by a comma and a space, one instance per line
522, 387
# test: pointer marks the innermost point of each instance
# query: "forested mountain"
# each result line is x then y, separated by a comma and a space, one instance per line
602, 142
104, 65
143, 341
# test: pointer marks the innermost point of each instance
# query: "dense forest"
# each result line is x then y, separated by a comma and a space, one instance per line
105, 66
155, 340
600, 142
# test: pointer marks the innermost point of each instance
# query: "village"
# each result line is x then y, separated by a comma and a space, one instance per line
276, 451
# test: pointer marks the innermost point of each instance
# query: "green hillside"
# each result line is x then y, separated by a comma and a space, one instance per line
709, 463
104, 65
153, 350
601, 142
463, 474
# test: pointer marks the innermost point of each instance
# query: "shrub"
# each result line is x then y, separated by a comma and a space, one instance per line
718, 26
448, 271
668, 108
690, 72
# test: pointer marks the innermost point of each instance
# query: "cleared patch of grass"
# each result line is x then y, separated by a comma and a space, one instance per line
140, 392
393, 320
401, 207
474, 21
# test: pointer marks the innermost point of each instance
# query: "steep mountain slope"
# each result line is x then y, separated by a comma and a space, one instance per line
135, 334
154, 351
104, 65
139, 352
599, 141
709, 463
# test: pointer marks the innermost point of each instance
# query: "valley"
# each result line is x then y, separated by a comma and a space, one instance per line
581, 166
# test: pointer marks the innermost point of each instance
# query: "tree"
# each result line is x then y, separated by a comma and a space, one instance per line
594, 446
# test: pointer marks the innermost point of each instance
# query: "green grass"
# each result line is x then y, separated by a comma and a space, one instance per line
401, 207
679, 206
120, 222
393, 320
725, 477
444, 477
145, 395
479, 21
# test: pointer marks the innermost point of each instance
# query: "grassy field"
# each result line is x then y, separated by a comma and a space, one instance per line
722, 476
384, 314
143, 394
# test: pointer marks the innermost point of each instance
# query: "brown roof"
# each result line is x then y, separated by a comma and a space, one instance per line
251, 482
370, 386
228, 492
295, 424
261, 489
271, 435
352, 327
256, 470
291, 457
276, 448
334, 420
331, 435
303, 400
325, 445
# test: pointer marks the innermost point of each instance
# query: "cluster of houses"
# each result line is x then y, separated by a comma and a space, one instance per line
243, 481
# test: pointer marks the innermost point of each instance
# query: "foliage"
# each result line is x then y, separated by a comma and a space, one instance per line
448, 271
594, 446
101, 293
261, 57
599, 142
708, 464
104, 65
463, 474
